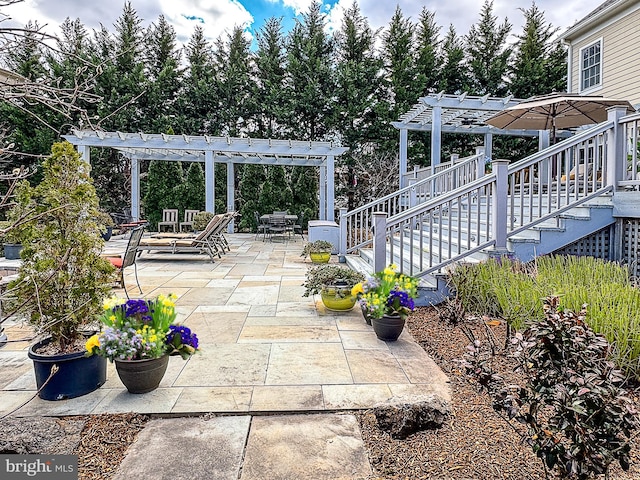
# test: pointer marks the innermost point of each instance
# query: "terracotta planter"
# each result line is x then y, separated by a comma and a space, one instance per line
142, 376
77, 375
389, 327
320, 257
338, 297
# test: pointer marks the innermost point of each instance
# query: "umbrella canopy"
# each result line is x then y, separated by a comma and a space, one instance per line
555, 111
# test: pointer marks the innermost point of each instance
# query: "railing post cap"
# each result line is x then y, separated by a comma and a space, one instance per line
500, 161
379, 214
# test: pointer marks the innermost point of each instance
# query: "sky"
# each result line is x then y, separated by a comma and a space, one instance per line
218, 16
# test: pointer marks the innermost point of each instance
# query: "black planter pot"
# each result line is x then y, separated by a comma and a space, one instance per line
389, 327
365, 314
77, 375
142, 376
12, 251
106, 235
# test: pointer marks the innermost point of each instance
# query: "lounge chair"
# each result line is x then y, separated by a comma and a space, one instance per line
184, 243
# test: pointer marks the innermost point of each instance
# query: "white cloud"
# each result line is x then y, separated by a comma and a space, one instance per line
215, 16
298, 6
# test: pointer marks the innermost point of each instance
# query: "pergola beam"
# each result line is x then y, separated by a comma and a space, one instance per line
211, 150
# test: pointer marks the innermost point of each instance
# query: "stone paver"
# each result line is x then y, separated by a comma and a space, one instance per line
187, 448
309, 447
264, 347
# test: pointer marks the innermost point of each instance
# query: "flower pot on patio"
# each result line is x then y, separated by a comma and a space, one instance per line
389, 327
320, 257
12, 251
142, 376
338, 297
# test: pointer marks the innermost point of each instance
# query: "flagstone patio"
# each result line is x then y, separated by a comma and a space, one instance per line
264, 347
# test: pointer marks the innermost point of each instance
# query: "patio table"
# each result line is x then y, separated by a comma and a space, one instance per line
290, 221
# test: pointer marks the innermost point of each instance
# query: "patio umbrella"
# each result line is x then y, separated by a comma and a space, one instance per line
555, 111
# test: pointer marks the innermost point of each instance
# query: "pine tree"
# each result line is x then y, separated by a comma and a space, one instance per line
270, 112
488, 53
539, 66
164, 187
428, 59
310, 78
191, 193
453, 78
251, 184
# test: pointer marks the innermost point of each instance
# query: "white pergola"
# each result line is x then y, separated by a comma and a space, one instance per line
439, 113
209, 150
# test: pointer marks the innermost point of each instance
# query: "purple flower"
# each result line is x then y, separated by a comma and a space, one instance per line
137, 308
186, 336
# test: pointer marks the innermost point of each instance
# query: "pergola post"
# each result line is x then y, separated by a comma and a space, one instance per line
230, 193
209, 182
135, 188
488, 146
85, 153
436, 137
330, 189
323, 192
404, 141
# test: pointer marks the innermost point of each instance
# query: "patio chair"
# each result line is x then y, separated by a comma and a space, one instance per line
183, 243
169, 219
188, 219
128, 258
277, 226
261, 226
299, 225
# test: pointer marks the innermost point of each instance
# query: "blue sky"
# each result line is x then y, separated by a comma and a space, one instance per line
218, 16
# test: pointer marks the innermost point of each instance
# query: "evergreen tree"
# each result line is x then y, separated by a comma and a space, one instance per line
251, 184
539, 66
234, 81
488, 53
428, 60
399, 56
310, 78
453, 78
271, 109
191, 193
163, 76
276, 193
164, 181
197, 110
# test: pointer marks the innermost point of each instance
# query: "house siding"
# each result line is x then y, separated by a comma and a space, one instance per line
620, 59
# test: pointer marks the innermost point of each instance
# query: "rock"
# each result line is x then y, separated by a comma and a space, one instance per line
39, 435
402, 417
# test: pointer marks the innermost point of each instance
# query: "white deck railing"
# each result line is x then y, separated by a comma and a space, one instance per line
484, 213
356, 224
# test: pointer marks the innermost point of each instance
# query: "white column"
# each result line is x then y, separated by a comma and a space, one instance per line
379, 241
135, 188
85, 153
330, 189
404, 140
323, 193
616, 157
230, 193
499, 206
543, 143
209, 182
342, 249
436, 137
488, 146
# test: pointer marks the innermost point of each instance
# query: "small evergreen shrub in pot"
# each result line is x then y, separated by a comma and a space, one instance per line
201, 220
319, 251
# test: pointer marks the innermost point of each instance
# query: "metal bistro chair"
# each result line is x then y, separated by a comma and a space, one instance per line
261, 226
299, 225
129, 258
169, 219
277, 226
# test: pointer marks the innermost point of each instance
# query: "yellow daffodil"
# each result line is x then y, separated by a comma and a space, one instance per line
357, 288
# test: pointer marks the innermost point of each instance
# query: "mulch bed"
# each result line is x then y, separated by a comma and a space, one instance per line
475, 443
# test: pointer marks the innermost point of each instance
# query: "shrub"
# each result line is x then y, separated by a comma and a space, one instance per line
574, 405
201, 220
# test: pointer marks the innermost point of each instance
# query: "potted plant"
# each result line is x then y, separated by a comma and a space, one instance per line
62, 280
201, 220
11, 242
319, 251
106, 224
334, 284
387, 298
139, 337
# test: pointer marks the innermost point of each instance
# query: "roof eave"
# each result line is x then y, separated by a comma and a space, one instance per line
594, 18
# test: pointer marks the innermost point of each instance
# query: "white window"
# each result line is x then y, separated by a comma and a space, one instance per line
591, 66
